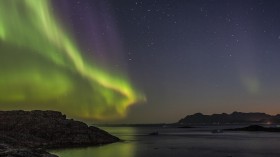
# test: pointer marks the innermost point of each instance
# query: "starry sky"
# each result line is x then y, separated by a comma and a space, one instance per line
183, 56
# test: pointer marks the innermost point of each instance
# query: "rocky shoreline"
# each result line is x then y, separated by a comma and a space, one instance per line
29, 133
254, 128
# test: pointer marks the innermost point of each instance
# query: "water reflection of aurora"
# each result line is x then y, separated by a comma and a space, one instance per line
42, 67
122, 149
125, 148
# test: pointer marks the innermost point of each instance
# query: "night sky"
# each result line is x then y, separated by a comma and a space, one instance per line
184, 56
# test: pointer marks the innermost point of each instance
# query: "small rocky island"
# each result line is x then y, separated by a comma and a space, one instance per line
255, 128
28, 133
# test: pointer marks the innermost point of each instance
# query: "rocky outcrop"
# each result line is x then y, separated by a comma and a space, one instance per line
13, 151
233, 118
27, 132
256, 128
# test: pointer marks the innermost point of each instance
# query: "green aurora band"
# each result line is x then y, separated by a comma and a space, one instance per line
41, 67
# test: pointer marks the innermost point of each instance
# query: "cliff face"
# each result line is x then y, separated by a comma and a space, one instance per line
234, 118
46, 129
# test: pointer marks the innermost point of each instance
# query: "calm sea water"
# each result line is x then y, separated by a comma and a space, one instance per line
179, 142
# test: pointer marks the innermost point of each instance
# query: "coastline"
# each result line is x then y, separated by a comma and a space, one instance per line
30, 133
173, 141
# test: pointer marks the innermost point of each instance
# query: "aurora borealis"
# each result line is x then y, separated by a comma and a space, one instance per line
94, 59
208, 56
42, 67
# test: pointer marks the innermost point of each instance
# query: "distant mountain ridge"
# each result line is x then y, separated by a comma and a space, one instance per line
233, 118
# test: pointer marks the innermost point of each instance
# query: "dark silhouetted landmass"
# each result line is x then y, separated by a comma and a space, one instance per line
27, 133
233, 118
256, 128
156, 133
186, 127
131, 125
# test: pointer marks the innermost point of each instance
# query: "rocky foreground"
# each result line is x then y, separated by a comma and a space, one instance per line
28, 133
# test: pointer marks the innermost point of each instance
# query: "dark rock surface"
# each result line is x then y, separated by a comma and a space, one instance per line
256, 128
25, 133
233, 118
15, 151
